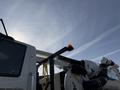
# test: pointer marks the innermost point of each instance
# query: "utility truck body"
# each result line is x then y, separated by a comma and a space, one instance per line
19, 63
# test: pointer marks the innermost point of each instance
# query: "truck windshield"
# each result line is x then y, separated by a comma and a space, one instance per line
11, 58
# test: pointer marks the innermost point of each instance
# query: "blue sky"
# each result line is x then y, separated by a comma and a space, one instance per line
91, 26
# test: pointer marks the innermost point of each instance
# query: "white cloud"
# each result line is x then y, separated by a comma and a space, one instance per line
107, 54
94, 41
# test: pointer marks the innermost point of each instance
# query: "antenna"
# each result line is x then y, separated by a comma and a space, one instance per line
4, 27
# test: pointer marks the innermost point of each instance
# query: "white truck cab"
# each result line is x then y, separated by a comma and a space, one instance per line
17, 65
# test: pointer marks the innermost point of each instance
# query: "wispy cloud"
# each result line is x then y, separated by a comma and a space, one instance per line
60, 37
107, 54
94, 41
13, 8
44, 20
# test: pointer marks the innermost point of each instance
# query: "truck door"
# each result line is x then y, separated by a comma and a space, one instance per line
17, 66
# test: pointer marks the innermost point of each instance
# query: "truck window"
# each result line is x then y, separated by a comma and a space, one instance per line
11, 58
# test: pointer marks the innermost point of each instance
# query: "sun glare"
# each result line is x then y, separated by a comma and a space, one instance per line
20, 36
